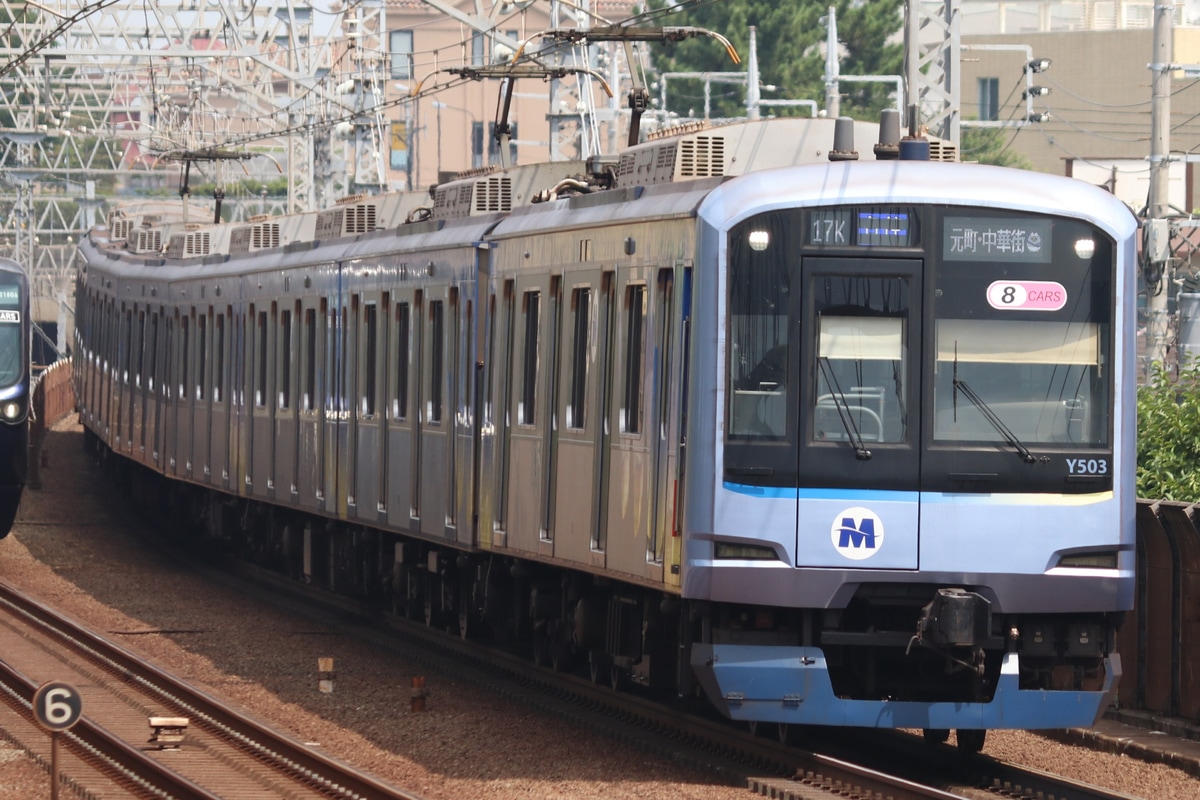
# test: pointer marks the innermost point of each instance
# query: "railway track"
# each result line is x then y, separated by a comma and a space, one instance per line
109, 753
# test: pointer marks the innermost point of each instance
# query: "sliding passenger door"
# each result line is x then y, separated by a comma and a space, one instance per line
201, 468
283, 462
524, 507
434, 425
401, 410
579, 420
309, 417
258, 471
633, 485
219, 399
369, 310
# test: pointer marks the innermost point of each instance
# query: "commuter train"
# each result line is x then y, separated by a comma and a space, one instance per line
14, 389
736, 413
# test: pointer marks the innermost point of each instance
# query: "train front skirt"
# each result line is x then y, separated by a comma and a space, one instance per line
791, 685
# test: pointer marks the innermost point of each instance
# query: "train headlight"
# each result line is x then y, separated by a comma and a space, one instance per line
1085, 248
759, 240
11, 410
744, 552
1089, 560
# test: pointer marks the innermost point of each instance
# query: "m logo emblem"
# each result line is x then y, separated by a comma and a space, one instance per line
857, 533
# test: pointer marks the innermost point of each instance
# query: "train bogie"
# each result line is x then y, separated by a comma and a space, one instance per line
835, 443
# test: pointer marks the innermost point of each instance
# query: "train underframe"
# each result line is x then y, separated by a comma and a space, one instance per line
913, 643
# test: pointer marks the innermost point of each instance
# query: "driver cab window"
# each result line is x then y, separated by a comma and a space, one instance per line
759, 298
860, 380
862, 359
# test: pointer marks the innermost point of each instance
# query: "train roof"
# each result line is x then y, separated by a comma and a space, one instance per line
898, 182
676, 170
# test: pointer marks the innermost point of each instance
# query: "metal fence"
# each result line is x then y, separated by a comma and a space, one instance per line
1160, 641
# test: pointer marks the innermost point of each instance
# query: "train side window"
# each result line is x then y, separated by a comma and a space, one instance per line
526, 408
284, 378
218, 377
437, 345
581, 303
635, 335
367, 371
310, 359
260, 373
201, 354
403, 358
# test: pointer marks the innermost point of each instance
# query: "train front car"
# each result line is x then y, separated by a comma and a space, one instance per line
14, 389
921, 512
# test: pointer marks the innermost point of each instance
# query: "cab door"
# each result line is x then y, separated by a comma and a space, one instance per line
859, 341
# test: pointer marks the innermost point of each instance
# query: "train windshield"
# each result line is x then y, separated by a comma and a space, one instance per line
1021, 338
12, 342
918, 348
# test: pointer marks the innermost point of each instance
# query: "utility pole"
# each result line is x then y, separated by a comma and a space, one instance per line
1156, 250
833, 97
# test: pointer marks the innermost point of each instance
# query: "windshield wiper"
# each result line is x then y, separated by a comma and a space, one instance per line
844, 414
991, 416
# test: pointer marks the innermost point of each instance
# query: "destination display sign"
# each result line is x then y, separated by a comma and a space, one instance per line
1002, 239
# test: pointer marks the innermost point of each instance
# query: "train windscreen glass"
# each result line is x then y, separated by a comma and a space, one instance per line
909, 341
1022, 307
12, 343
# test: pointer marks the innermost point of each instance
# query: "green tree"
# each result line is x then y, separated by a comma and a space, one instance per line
790, 43
1168, 416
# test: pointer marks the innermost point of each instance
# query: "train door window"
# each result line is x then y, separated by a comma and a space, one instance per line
666, 307
260, 371
605, 360
862, 359
418, 369
437, 345
151, 371
284, 378
526, 411
169, 358
201, 354
218, 376
403, 359
367, 369
665, 314
340, 402
489, 376
106, 337
505, 377
453, 345
141, 349
126, 344
548, 435
581, 301
309, 400
183, 376
635, 335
